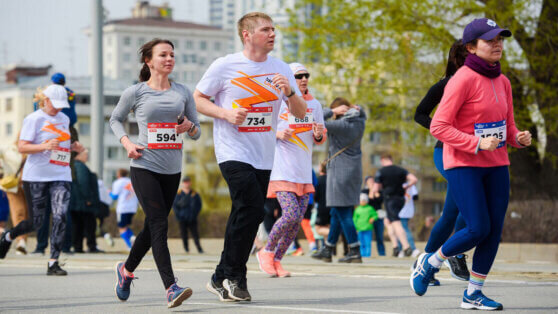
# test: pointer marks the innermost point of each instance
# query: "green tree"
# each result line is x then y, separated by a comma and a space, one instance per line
387, 53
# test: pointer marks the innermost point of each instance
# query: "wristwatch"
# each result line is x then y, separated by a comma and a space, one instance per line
292, 93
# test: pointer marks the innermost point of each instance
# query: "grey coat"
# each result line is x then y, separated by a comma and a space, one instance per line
344, 172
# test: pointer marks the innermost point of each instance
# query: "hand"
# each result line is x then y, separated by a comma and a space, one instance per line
376, 194
77, 147
51, 144
285, 134
282, 83
371, 221
524, 138
236, 116
134, 151
183, 127
318, 129
341, 110
489, 143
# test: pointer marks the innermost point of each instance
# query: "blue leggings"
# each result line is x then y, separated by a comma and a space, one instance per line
450, 215
482, 195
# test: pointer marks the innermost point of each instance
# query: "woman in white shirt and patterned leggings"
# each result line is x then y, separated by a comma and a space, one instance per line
45, 136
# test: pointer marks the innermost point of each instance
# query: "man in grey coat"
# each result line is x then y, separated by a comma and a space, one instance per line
345, 127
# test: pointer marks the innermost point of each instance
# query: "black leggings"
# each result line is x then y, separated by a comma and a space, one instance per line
156, 194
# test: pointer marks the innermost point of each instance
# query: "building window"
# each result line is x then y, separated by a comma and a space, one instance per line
84, 128
437, 210
203, 45
127, 41
217, 46
375, 160
9, 105
202, 61
189, 44
141, 41
375, 137
9, 128
193, 58
174, 42
185, 58
439, 186
127, 74
112, 153
126, 57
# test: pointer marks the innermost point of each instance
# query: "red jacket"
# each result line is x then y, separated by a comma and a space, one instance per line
474, 105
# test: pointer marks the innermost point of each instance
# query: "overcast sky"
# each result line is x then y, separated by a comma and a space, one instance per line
39, 32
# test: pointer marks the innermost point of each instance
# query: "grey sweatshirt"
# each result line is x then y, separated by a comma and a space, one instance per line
154, 106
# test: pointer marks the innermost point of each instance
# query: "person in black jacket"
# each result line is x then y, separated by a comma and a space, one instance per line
84, 201
187, 206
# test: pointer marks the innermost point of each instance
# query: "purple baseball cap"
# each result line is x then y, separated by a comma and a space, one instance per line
483, 28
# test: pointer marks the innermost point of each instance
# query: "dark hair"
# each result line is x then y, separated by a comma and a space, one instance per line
122, 172
146, 52
338, 102
456, 57
386, 156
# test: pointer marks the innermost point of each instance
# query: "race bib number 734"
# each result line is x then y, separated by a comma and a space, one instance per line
257, 120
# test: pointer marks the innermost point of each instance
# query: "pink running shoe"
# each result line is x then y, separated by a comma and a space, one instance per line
265, 260
280, 271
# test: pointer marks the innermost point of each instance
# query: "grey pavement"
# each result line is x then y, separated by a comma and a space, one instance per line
379, 285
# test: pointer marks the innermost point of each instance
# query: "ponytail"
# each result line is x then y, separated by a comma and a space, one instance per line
145, 73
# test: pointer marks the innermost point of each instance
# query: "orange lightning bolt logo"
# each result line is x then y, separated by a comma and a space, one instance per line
257, 89
294, 137
51, 128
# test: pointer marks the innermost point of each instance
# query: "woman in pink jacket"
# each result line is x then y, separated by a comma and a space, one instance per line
475, 122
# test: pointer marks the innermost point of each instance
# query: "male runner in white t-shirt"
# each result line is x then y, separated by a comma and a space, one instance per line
248, 88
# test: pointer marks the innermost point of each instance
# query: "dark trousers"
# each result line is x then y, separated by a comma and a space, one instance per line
482, 195
83, 225
248, 188
156, 193
193, 227
38, 196
379, 235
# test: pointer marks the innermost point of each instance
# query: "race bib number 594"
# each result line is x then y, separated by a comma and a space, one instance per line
163, 136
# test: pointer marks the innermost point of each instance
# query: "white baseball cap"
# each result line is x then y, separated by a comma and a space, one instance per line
57, 95
297, 67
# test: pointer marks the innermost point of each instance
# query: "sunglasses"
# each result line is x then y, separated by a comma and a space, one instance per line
301, 75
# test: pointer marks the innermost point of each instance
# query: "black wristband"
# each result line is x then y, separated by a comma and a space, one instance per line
292, 93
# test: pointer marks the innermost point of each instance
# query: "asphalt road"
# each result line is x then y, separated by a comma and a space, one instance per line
380, 285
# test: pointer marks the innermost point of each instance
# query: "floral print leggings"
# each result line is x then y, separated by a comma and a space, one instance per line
286, 227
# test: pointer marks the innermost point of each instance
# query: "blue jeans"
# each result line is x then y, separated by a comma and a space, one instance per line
379, 235
482, 196
410, 239
450, 215
342, 218
365, 239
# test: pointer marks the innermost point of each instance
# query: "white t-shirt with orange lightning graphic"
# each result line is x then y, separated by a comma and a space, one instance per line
47, 166
293, 158
238, 82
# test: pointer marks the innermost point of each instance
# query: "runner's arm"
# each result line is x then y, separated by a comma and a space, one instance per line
208, 108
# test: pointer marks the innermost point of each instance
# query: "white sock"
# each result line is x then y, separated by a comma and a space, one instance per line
436, 259
50, 263
472, 288
8, 238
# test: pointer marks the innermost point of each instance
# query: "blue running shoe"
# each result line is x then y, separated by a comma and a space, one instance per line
123, 282
177, 295
478, 301
422, 274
